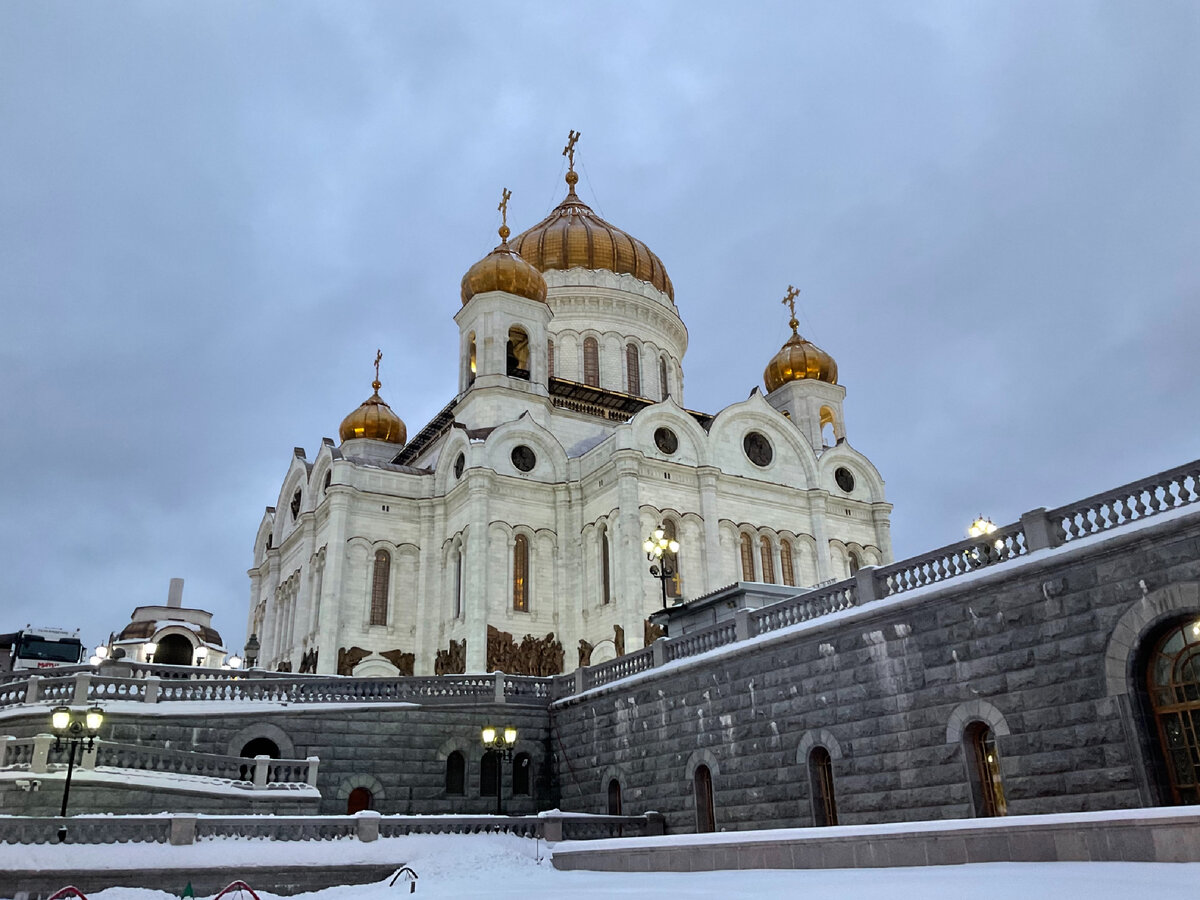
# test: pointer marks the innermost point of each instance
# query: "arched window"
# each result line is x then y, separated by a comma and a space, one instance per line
855, 562
747, 558
591, 362
662, 378
614, 797
768, 561
360, 798
672, 560
522, 766
471, 360
785, 562
820, 781
983, 764
456, 774
702, 786
379, 588
174, 650
1173, 680
517, 354
605, 571
260, 746
458, 585
633, 369
520, 576
489, 774
550, 358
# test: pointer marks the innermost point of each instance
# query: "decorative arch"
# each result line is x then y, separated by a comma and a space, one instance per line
820, 737
287, 750
974, 711
1136, 624
369, 782
701, 757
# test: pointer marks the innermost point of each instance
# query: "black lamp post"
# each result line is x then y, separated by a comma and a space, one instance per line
251, 651
77, 729
661, 550
499, 741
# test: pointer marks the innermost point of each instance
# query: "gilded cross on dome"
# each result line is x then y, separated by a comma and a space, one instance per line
377, 384
569, 150
505, 193
789, 301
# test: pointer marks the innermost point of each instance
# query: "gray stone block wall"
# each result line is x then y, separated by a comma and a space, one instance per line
1029, 641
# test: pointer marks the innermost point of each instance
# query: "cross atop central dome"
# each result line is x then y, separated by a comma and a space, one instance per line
573, 236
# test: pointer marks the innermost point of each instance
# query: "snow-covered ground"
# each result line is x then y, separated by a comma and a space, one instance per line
503, 866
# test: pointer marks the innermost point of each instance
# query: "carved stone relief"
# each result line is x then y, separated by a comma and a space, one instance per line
452, 661
308, 662
348, 659
651, 632
533, 656
401, 660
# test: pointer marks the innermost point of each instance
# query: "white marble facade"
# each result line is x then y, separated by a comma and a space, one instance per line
450, 512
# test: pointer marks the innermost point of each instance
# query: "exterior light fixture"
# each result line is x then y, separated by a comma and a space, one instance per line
201, 654
660, 551
75, 729
234, 663
981, 527
501, 742
148, 649
251, 650
102, 651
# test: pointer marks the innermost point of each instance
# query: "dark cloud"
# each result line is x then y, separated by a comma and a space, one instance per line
211, 215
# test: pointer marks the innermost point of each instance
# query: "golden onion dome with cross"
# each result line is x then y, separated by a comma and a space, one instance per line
798, 359
573, 236
503, 269
374, 419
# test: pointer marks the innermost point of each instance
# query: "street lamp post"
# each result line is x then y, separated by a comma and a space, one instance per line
661, 550
76, 729
499, 741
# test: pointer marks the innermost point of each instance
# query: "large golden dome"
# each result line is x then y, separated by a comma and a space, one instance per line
573, 236
374, 419
799, 359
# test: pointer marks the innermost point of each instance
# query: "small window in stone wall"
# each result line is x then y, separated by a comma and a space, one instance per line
296, 504
785, 562
523, 458
747, 544
666, 440
591, 362
844, 478
459, 465
489, 774
614, 797
379, 587
633, 369
522, 767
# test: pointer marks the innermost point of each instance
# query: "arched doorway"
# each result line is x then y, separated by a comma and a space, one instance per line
983, 764
702, 784
174, 650
360, 798
1173, 683
614, 797
820, 777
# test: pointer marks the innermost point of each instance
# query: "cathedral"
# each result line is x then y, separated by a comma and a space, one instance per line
566, 492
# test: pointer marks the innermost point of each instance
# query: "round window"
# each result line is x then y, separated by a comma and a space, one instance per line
459, 465
758, 448
844, 478
665, 440
524, 458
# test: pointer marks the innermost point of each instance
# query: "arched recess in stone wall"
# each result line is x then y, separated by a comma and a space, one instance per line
698, 758
817, 737
1125, 659
287, 750
370, 782
971, 711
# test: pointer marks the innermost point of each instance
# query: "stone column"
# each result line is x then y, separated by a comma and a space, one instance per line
817, 507
476, 573
629, 579
880, 517
712, 531
331, 583
431, 606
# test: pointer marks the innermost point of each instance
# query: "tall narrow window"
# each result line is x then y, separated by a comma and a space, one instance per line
672, 560
855, 562
605, 572
1173, 680
379, 588
662, 378
633, 369
489, 774
768, 561
522, 764
520, 587
517, 354
458, 585
820, 779
614, 797
747, 558
702, 786
456, 774
983, 760
591, 362
550, 358
471, 360
785, 562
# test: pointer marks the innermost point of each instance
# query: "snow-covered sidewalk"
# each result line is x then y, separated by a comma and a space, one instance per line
503, 866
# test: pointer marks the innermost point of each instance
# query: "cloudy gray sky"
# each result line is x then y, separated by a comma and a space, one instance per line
212, 214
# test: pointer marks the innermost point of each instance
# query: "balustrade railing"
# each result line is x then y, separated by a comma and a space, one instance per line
629, 664
702, 641
952, 561
832, 598
1128, 503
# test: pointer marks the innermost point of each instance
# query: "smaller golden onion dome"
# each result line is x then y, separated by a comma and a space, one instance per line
374, 419
798, 359
504, 269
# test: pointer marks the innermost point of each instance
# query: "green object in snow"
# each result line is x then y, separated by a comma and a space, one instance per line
188, 891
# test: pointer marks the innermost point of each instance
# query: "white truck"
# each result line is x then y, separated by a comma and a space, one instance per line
42, 648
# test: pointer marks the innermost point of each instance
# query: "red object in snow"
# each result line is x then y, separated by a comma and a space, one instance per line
69, 891
234, 886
